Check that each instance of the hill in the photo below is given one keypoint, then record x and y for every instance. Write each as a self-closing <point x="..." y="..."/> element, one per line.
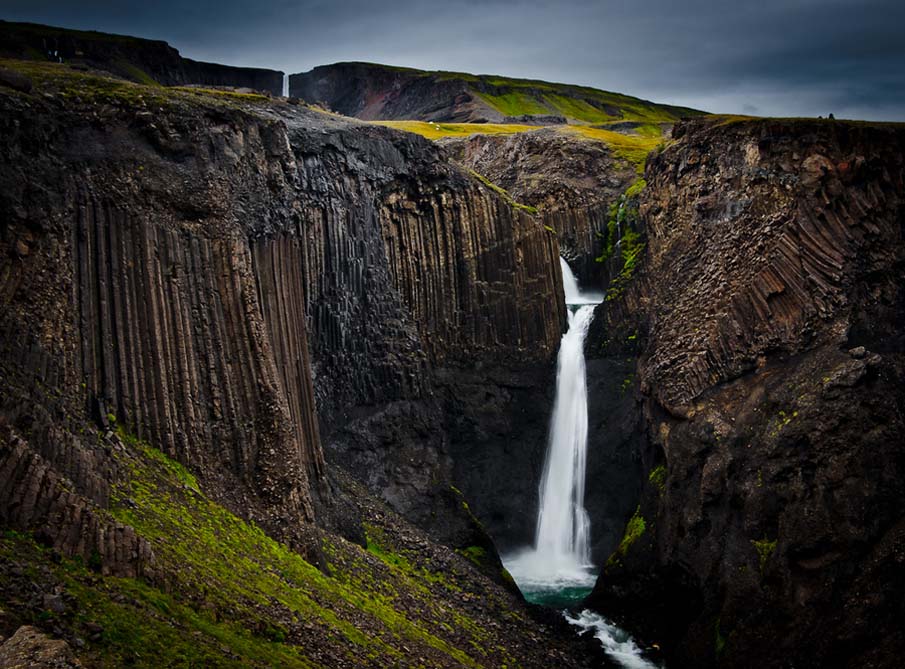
<point x="381" y="92"/>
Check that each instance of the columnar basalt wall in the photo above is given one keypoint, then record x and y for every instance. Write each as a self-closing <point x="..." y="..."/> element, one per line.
<point x="174" y="266"/>
<point x="772" y="315"/>
<point x="129" y="265"/>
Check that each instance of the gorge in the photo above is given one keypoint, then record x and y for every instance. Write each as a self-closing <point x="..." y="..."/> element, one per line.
<point x="280" y="386"/>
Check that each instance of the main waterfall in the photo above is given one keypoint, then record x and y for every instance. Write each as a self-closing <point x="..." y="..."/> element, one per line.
<point x="558" y="568"/>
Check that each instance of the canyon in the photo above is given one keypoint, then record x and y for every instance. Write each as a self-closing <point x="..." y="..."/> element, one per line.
<point x="277" y="382"/>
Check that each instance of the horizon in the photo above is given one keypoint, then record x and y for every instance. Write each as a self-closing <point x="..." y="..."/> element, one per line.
<point x="803" y="59"/>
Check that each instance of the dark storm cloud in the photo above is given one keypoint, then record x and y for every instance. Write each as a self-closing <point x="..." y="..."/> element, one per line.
<point x="776" y="57"/>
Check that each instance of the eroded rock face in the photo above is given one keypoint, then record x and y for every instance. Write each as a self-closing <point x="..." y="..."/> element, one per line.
<point x="772" y="309"/>
<point x="571" y="180"/>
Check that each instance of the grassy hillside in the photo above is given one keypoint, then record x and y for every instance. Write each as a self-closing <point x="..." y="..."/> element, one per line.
<point x="225" y="594"/>
<point x="632" y="146"/>
<point x="521" y="97"/>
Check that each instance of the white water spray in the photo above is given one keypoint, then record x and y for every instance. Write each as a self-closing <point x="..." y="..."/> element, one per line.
<point x="616" y="642"/>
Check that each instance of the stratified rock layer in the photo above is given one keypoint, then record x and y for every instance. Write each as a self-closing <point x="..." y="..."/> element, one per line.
<point x="772" y="309"/>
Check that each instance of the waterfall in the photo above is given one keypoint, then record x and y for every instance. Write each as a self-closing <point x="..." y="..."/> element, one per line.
<point x="557" y="570"/>
<point x="559" y="566"/>
<point x="562" y="523"/>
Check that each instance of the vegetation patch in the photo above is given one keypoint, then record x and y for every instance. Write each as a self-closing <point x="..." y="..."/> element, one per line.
<point x="222" y="593"/>
<point x="440" y="130"/>
<point x="503" y="193"/>
<point x="631" y="148"/>
<point x="765" y="549"/>
<point x="633" y="531"/>
<point x="657" y="477"/>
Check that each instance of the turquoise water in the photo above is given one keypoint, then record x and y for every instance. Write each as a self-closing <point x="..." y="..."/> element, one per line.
<point x="559" y="598"/>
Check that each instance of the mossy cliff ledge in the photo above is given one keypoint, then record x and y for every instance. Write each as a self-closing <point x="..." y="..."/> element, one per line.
<point x="767" y="311"/>
<point x="169" y="259"/>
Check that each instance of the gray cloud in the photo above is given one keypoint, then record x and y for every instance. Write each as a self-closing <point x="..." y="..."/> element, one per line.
<point x="779" y="57"/>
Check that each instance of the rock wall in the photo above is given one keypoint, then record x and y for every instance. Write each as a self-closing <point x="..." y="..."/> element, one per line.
<point x="416" y="274"/>
<point x="571" y="180"/>
<point x="135" y="295"/>
<point x="128" y="57"/>
<point x="172" y="270"/>
<point x="772" y="313"/>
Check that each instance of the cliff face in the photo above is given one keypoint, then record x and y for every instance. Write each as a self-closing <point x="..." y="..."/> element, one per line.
<point x="372" y="91"/>
<point x="169" y="258"/>
<point x="415" y="274"/>
<point x="134" y="295"/>
<point x="772" y="313"/>
<point x="128" y="57"/>
<point x="570" y="179"/>
<point x="196" y="251"/>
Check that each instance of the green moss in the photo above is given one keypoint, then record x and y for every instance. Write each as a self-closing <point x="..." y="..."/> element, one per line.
<point x="657" y="477"/>
<point x="634" y="529"/>
<point x="719" y="641"/>
<point x="635" y="189"/>
<point x="474" y="553"/>
<point x="765" y="549"/>
<point x="503" y="193"/>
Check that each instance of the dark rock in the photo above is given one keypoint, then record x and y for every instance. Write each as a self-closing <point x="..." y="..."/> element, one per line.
<point x="571" y="181"/>
<point x="772" y="515"/>
<point x="128" y="57"/>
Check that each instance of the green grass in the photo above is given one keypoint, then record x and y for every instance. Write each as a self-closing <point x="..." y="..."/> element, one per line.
<point x="225" y="594"/>
<point x="233" y="566"/>
<point x="76" y="86"/>
<point x="515" y="103"/>
<point x="631" y="148"/>
<point x="135" y="73"/>
<point x="504" y="194"/>
<point x="439" y="130"/>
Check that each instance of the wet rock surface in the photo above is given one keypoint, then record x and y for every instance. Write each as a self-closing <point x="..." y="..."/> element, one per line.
<point x="770" y="307"/>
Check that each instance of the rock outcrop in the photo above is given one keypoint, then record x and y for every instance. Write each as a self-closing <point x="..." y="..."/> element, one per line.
<point x="28" y="648"/>
<point x="132" y="58"/>
<point x="772" y="315"/>
<point x="172" y="268"/>
<point x="570" y="179"/>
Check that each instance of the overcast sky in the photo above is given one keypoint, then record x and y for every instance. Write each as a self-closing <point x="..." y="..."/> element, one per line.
<point x="764" y="57"/>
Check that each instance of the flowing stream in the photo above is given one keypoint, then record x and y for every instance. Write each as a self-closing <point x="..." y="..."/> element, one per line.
<point x="557" y="571"/>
